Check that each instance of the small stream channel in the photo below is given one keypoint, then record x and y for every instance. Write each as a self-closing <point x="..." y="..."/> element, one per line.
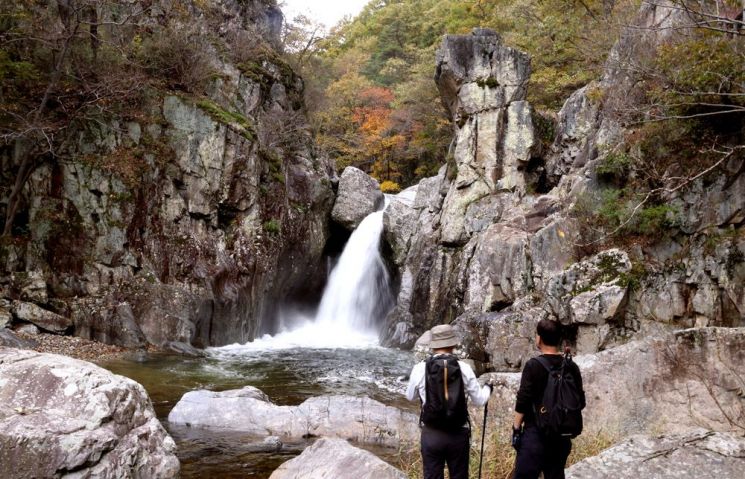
<point x="287" y="375"/>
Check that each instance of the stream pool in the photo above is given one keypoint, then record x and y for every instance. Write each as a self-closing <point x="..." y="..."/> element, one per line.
<point x="287" y="375"/>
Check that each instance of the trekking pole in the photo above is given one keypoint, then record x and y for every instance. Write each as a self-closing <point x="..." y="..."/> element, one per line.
<point x="483" y="434"/>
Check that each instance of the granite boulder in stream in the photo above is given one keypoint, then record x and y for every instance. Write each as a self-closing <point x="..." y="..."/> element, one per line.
<point x="65" y="418"/>
<point x="359" y="419"/>
<point x="333" y="457"/>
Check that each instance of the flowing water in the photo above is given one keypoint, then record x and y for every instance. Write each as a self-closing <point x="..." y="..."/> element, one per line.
<point x="288" y="376"/>
<point x="334" y="351"/>
<point x="356" y="298"/>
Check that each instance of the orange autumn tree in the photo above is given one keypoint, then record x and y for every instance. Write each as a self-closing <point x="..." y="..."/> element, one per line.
<point x="382" y="144"/>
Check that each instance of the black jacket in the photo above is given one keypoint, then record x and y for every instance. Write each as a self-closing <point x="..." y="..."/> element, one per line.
<point x="533" y="383"/>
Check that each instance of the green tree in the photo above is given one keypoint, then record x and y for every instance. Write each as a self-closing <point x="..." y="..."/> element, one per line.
<point x="392" y="44"/>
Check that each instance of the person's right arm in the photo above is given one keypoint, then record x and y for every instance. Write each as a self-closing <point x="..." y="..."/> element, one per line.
<point x="524" y="400"/>
<point x="415" y="378"/>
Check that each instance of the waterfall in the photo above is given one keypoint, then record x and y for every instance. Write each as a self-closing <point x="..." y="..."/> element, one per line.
<point x="358" y="290"/>
<point x="355" y="300"/>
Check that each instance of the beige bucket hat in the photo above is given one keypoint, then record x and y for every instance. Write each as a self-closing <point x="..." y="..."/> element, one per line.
<point x="443" y="336"/>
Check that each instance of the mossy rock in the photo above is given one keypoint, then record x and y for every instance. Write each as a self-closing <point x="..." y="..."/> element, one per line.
<point x="233" y="119"/>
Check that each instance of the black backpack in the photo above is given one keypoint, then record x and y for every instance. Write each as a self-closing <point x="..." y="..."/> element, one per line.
<point x="445" y="406"/>
<point x="560" y="412"/>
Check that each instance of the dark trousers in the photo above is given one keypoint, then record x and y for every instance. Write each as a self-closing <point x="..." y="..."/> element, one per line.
<point x="538" y="454"/>
<point x="440" y="448"/>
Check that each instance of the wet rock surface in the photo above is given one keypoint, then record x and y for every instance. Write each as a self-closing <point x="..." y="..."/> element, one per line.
<point x="62" y="417"/>
<point x="332" y="457"/>
<point x="358" y="419"/>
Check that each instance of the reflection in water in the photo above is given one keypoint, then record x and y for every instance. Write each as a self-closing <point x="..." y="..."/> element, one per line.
<point x="287" y="376"/>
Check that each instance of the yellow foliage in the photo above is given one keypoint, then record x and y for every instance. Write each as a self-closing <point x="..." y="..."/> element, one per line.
<point x="389" y="186"/>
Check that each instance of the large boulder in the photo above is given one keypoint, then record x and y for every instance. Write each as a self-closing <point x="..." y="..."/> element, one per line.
<point x="333" y="457"/>
<point x="43" y="318"/>
<point x="399" y="220"/>
<point x="591" y="291"/>
<point x="64" y="417"/>
<point x="248" y="410"/>
<point x="358" y="196"/>
<point x="670" y="384"/>
<point x="701" y="454"/>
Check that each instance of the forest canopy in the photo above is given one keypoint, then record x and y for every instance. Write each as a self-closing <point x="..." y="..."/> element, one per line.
<point x="370" y="88"/>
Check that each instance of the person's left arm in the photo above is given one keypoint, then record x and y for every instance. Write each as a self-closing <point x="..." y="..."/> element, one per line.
<point x="578" y="378"/>
<point x="479" y="394"/>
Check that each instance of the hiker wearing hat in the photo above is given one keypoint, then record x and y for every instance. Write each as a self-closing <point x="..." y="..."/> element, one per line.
<point x="442" y="383"/>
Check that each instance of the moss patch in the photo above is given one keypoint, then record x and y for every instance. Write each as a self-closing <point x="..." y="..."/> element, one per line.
<point x="231" y="118"/>
<point x="489" y="82"/>
<point x="272" y="226"/>
<point x="274" y="161"/>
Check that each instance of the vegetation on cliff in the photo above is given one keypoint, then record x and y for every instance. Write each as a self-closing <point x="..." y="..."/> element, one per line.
<point x="67" y="67"/>
<point x="684" y="120"/>
<point x="374" y="104"/>
<point x="370" y="87"/>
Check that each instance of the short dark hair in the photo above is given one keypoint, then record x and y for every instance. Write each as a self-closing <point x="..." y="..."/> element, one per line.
<point x="549" y="331"/>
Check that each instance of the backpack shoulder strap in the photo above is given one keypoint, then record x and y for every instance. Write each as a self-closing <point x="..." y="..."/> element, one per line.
<point x="544" y="362"/>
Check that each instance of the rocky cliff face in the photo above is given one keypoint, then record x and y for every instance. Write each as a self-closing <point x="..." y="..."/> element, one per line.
<point x="492" y="245"/>
<point x="187" y="222"/>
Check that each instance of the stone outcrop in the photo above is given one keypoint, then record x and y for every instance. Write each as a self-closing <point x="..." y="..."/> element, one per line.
<point x="708" y="455"/>
<point x="331" y="457"/>
<point x="60" y="417"/>
<point x="673" y="383"/>
<point x="359" y="419"/>
<point x="462" y="244"/>
<point x="358" y="196"/>
<point x="494" y="239"/>
<point x="42" y="318"/>
<point x="483" y="85"/>
<point x="188" y="222"/>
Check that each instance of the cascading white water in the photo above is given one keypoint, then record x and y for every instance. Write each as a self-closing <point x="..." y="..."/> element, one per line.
<point x="356" y="297"/>
<point x="358" y="285"/>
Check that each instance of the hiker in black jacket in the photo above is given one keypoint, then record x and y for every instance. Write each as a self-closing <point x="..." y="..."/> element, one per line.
<point x="445" y="440"/>
<point x="537" y="452"/>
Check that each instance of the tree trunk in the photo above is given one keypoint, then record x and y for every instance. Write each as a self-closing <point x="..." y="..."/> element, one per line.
<point x="28" y="163"/>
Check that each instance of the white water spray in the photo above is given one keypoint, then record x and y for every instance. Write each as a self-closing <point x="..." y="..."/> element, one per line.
<point x="358" y="283"/>
<point x="355" y="299"/>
